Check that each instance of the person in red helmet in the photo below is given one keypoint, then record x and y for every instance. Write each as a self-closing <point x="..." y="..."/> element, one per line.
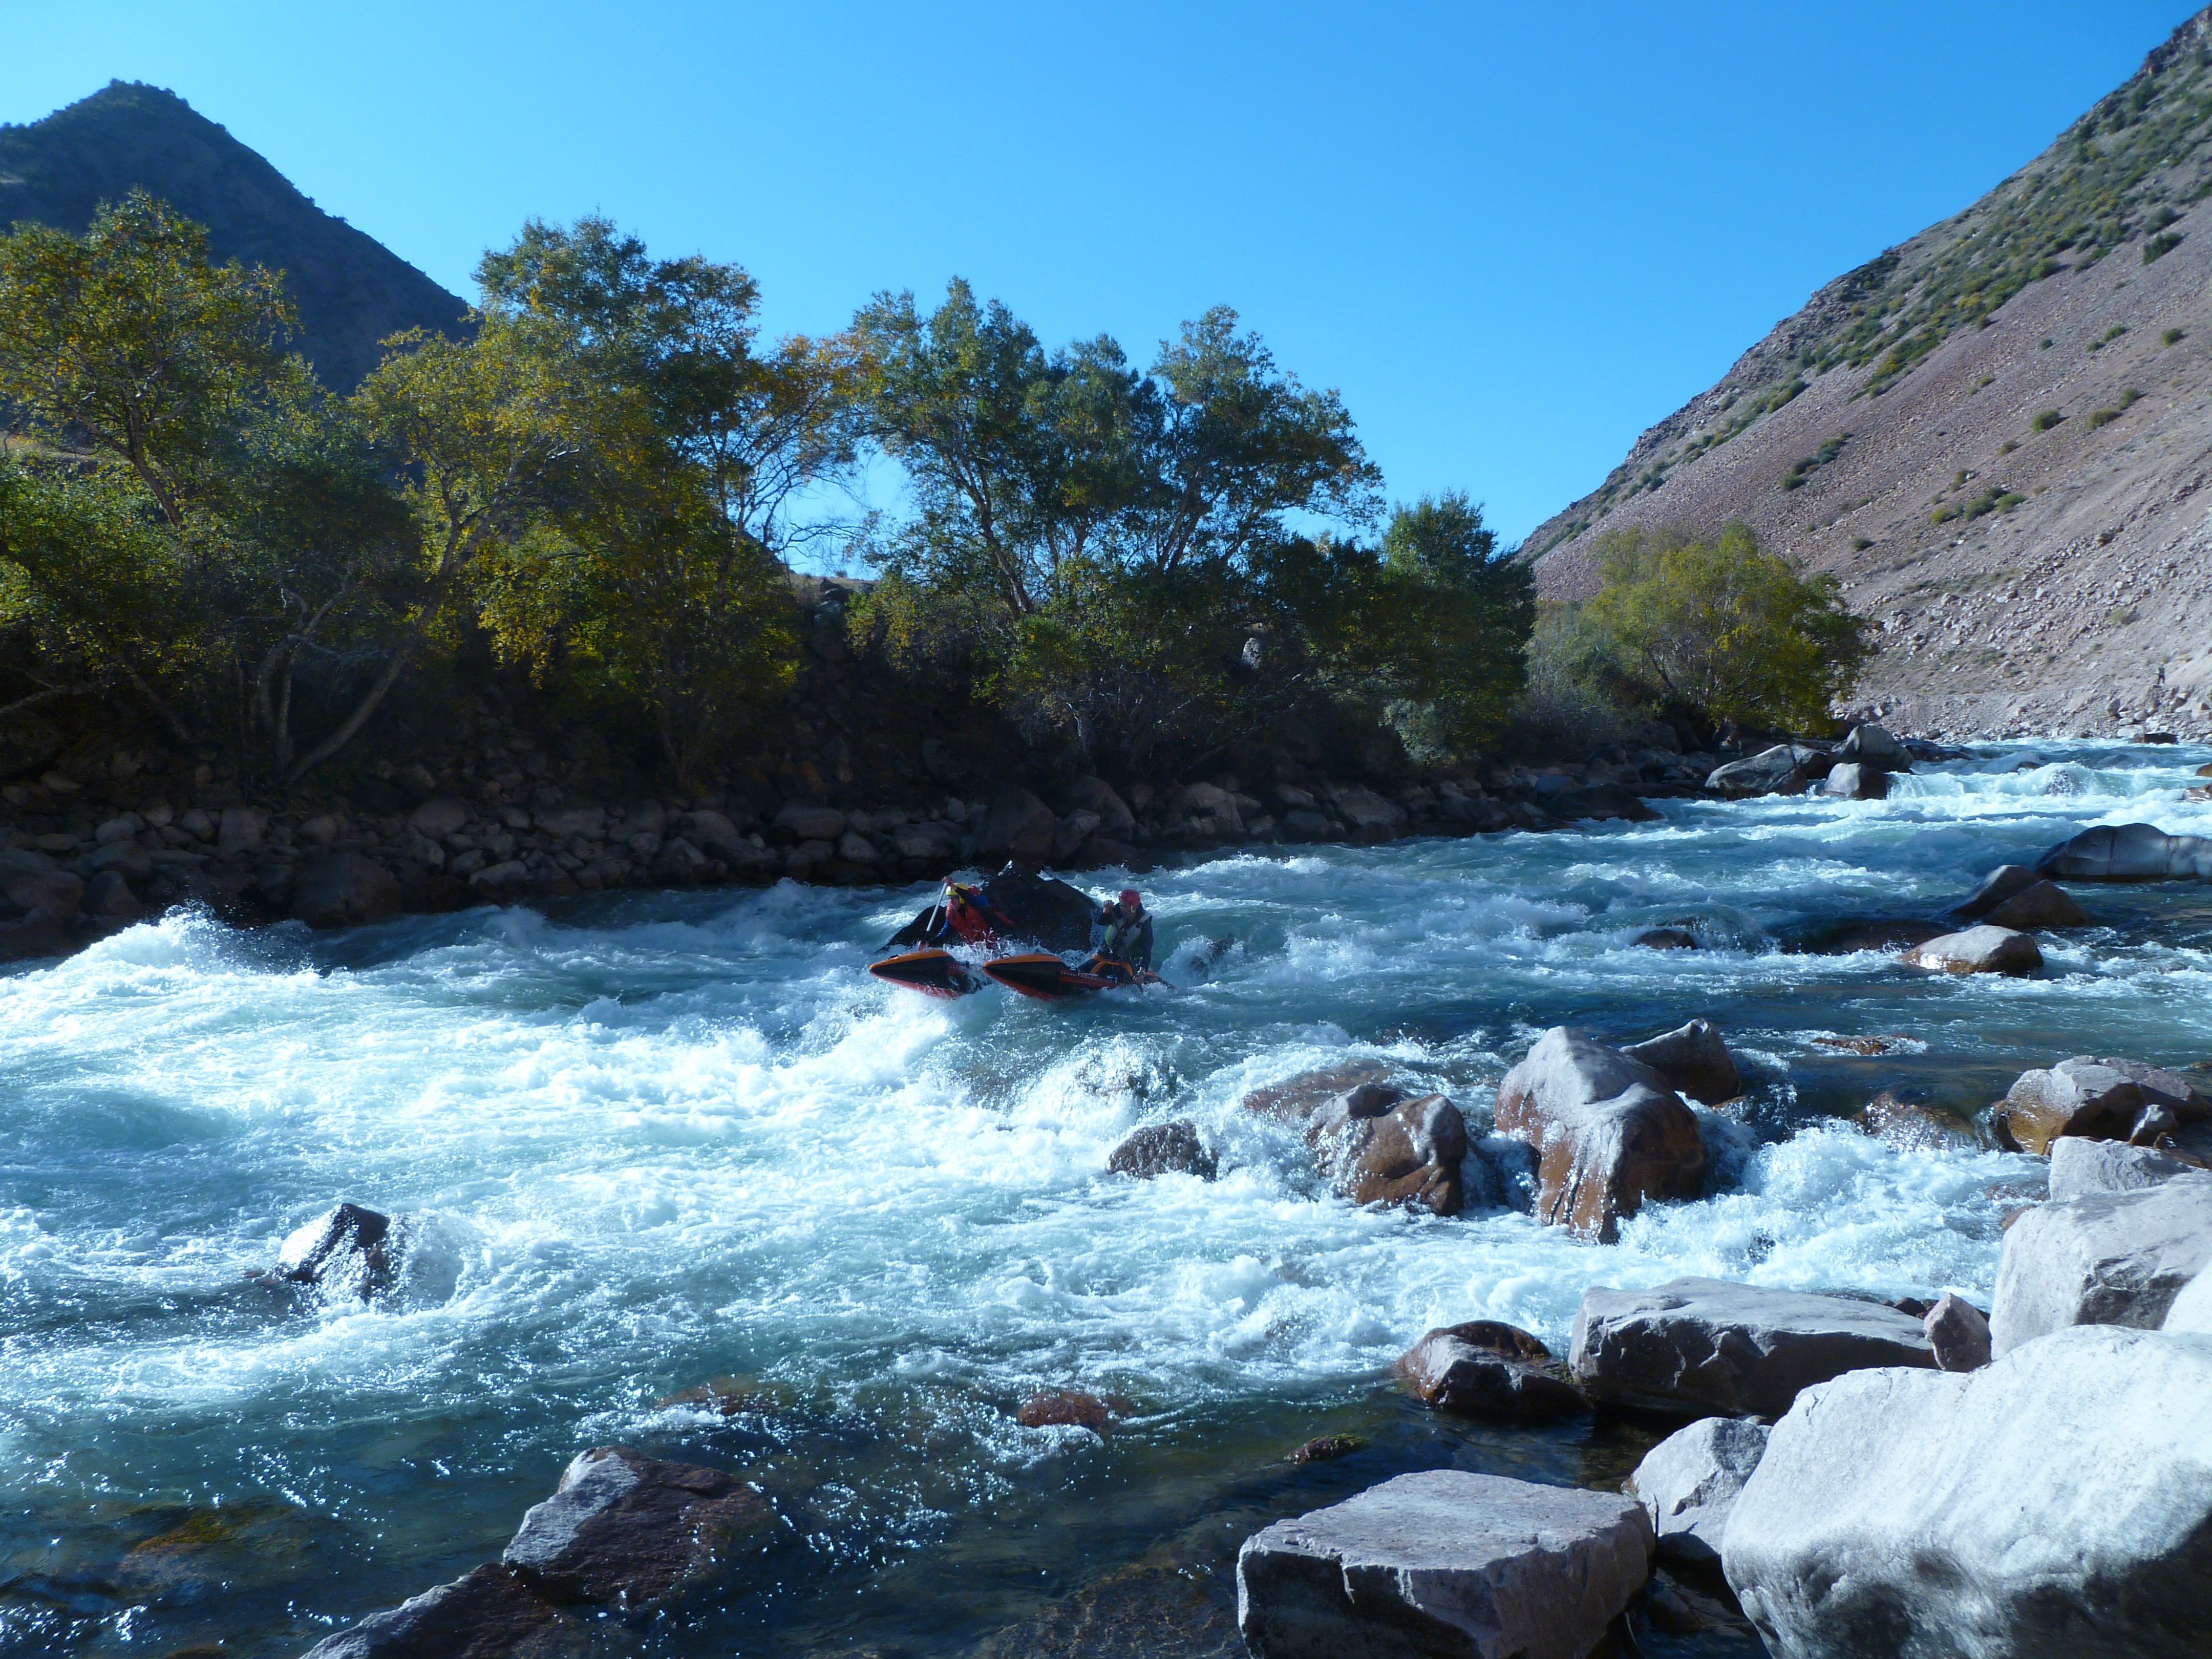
<point x="1128" y="928"/>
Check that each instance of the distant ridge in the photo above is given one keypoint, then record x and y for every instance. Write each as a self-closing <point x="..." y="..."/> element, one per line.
<point x="351" y="290"/>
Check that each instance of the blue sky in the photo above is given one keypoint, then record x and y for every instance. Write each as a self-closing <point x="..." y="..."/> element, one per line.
<point x="1512" y="236"/>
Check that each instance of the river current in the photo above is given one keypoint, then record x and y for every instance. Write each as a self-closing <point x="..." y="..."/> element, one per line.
<point x="644" y="1143"/>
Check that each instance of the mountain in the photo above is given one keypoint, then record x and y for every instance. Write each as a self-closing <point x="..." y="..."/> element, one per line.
<point x="1995" y="434"/>
<point x="351" y="290"/>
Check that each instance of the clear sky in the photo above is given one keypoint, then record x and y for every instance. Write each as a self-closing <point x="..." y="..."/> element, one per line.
<point x="1513" y="236"/>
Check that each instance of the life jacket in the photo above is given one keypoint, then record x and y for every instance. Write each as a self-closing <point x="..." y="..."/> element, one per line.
<point x="970" y="915"/>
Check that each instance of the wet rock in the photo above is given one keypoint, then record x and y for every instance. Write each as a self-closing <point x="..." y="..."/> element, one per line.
<point x="1159" y="1149"/>
<point x="1688" y="1484"/>
<point x="2057" y="1502"/>
<point x="1097" y="795"/>
<point x="1328" y="1448"/>
<point x="2105" y="1259"/>
<point x="1071" y="1408"/>
<point x="1485" y="1369"/>
<point x="1599" y="801"/>
<point x="1018" y="826"/>
<point x="1608" y="1133"/>
<point x="1379" y="1148"/>
<point x="1367" y="817"/>
<point x="1302" y="825"/>
<point x="2163" y="1087"/>
<point x="1206" y="811"/>
<point x="635" y="1532"/>
<point x="1145" y="1611"/>
<point x="2005" y="881"/>
<point x="1844" y="936"/>
<point x="2079" y="1167"/>
<point x="1903" y="1119"/>
<point x="1705" y="1347"/>
<point x="439" y="817"/>
<point x="492" y="1613"/>
<point x="32" y="881"/>
<point x="1295" y="1100"/>
<point x="2046" y="904"/>
<point x="1694" y="1060"/>
<point x="1872" y="746"/>
<point x="1854" y="782"/>
<point x="2129" y="851"/>
<point x="806" y="821"/>
<point x="1978" y="950"/>
<point x="351" y="1251"/>
<point x="1959" y="1332"/>
<point x="41" y="933"/>
<point x="1444" y="1563"/>
<point x="108" y="896"/>
<point x="343" y="890"/>
<point x="214" y="1553"/>
<point x="1784" y="770"/>
<point x="1666" y="938"/>
<point x="2076" y="1097"/>
<point x="726" y="1396"/>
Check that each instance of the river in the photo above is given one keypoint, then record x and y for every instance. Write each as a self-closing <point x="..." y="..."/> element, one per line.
<point x="646" y="1142"/>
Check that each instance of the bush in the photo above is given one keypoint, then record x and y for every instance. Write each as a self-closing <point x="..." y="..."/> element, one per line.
<point x="2045" y="421"/>
<point x="2173" y="336"/>
<point x="2159" y="246"/>
<point x="1860" y="544"/>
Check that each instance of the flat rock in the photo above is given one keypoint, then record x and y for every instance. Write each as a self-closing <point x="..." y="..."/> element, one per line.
<point x="1705" y="1347"/>
<point x="1159" y="1149"/>
<point x="1688" y="1484"/>
<point x="2077" y="1098"/>
<point x="635" y="1532"/>
<point x="1694" y="1060"/>
<point x="2079" y="1167"/>
<point x="1981" y="949"/>
<point x="2105" y="1259"/>
<point x="1444" y="1564"/>
<point x="1378" y="1147"/>
<point x="1486" y="1369"/>
<point x="2057" y="1504"/>
<point x="1609" y="1134"/>
<point x="490" y="1614"/>
<point x="2129" y="851"/>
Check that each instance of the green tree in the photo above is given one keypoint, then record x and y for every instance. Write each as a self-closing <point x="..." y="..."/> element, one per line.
<point x="1725" y="629"/>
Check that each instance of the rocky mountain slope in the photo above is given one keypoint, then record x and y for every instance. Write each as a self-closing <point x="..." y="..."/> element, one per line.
<point x="1995" y="434"/>
<point x="351" y="290"/>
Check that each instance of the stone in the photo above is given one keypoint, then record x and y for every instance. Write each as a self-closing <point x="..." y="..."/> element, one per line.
<point x="1075" y="829"/>
<point x="678" y="861"/>
<point x="1367" y="817"/>
<point x="807" y="821"/>
<point x="126" y="857"/>
<point x="1688" y="1484"/>
<point x="1296" y="1099"/>
<point x="932" y="842"/>
<point x="1018" y="826"/>
<point x="2001" y="883"/>
<point x="1115" y="820"/>
<point x="1704" y="1347"/>
<point x="1873" y="747"/>
<point x="1980" y="948"/>
<point x="1784" y="770"/>
<point x="2077" y="1098"/>
<point x="1328" y="1448"/>
<point x="1206" y="810"/>
<point x="1071" y="1408"/>
<point x="1694" y="1060"/>
<point x="492" y="1613"/>
<point x="2081" y="1166"/>
<point x="1609" y="1134"/>
<point x="351" y="1251"/>
<point x="320" y="830"/>
<point x="1959" y="1332"/>
<point x="439" y="817"/>
<point x="38" y="934"/>
<point x="703" y="827"/>
<point x="1444" y="1564"/>
<point x="500" y="880"/>
<point x="1666" y="938"/>
<point x="2056" y="1503"/>
<point x="1159" y="1149"/>
<point x="1303" y="825"/>
<point x="240" y="831"/>
<point x="1486" y="1369"/>
<point x="108" y="896"/>
<point x="2046" y="904"/>
<point x="2191" y="1312"/>
<point x="635" y="1532"/>
<point x="1852" y="781"/>
<point x="343" y="890"/>
<point x="118" y="829"/>
<point x="32" y="881"/>
<point x="2161" y="1087"/>
<point x="2129" y="851"/>
<point x="2104" y="1258"/>
<point x="1377" y="1147"/>
<point x="1599" y="801"/>
<point x="854" y="848"/>
<point x="1903" y="1118"/>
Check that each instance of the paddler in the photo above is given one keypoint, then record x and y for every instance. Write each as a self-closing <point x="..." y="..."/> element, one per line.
<point x="1128" y="928"/>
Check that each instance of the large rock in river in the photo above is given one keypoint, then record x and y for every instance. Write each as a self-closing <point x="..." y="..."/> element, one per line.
<point x="2129" y="851"/>
<point x="1981" y="949"/>
<point x="1609" y="1133"/>
<point x="1159" y="1149"/>
<point x="1018" y="826"/>
<point x="343" y="890"/>
<point x="1378" y="1147"/>
<point x="1694" y="1061"/>
<point x="2077" y="1096"/>
<point x="635" y="1532"/>
<point x="1444" y="1564"/>
<point x="1854" y="781"/>
<point x="2107" y="1258"/>
<point x="1485" y="1369"/>
<point x="2079" y="1167"/>
<point x="2057" y="1504"/>
<point x="492" y="1613"/>
<point x="1689" y="1481"/>
<point x="1704" y="1347"/>
<point x="1784" y="770"/>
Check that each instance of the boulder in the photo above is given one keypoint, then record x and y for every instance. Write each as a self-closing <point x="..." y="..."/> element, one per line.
<point x="1609" y="1134"/>
<point x="109" y="897"/>
<point x="1854" y="780"/>
<point x="1904" y="1118"/>
<point x="492" y="1613"/>
<point x="1115" y="820"/>
<point x="1783" y="770"/>
<point x="127" y="858"/>
<point x="1071" y="1408"/>
<point x="2129" y="851"/>
<point x="1873" y="748"/>
<point x="2081" y="1166"/>
<point x="32" y="881"/>
<point x="1018" y="826"/>
<point x="1378" y="1147"/>
<point x="40" y="933"/>
<point x="854" y="848"/>
<point x="1367" y="817"/>
<point x="565" y="823"/>
<point x="1159" y="1149"/>
<point x="2000" y="885"/>
<point x="1202" y="810"/>
<point x="1485" y="1369"/>
<point x="1600" y="800"/>
<point x="500" y="881"/>
<point x="1666" y="938"/>
<point x="2045" y="904"/>
<point x="439" y="817"/>
<point x="1298" y="824"/>
<point x="2077" y="1096"/>
<point x="1959" y="1332"/>
<point x="801" y="821"/>
<point x="2105" y="1259"/>
<point x="932" y="843"/>
<point x="1979" y="949"/>
<point x="2191" y="1312"/>
<point x="1444" y="1564"/>
<point x="343" y="890"/>
<point x="704" y="827"/>
<point x="635" y="1532"/>
<point x="240" y="831"/>
<point x="1704" y="1347"/>
<point x="2160" y="1087"/>
<point x="1688" y="1485"/>
<point x="1042" y="909"/>
<point x="1694" y="1060"/>
<point x="2056" y="1503"/>
<point x="1075" y="831"/>
<point x="351" y="1251"/>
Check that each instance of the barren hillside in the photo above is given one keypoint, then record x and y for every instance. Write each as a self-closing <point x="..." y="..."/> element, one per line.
<point x="2029" y="572"/>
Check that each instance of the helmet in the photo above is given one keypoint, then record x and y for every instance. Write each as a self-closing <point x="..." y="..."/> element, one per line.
<point x="1129" y="896"/>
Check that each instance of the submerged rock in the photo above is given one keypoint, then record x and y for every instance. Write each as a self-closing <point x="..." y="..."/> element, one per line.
<point x="1694" y="1060"/>
<point x="1666" y="938"/>
<point x="351" y="1251"/>
<point x="1600" y="800"/>
<point x="1159" y="1149"/>
<point x="1609" y="1134"/>
<point x="634" y="1532"/>
<point x="1444" y="1564"/>
<point x="343" y="890"/>
<point x="1378" y="1147"/>
<point x="1706" y="1348"/>
<point x="1485" y="1369"/>
<point x="2058" y="1501"/>
<point x="1981" y="949"/>
<point x="1689" y="1481"/>
<point x="2129" y="851"/>
<point x="2105" y="1259"/>
<point x="2000" y="885"/>
<point x="1071" y="1408"/>
<point x="492" y="1613"/>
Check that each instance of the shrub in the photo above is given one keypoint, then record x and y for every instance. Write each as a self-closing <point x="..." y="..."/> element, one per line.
<point x="2008" y="445"/>
<point x="1943" y="515"/>
<point x="2159" y="246"/>
<point x="1860" y="544"/>
<point x="2173" y="336"/>
<point x="2045" y="421"/>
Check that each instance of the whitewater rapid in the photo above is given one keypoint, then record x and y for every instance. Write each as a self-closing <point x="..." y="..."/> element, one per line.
<point x="645" y="1142"/>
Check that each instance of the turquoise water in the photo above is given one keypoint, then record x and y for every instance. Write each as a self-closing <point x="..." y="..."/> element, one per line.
<point x="647" y="1142"/>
